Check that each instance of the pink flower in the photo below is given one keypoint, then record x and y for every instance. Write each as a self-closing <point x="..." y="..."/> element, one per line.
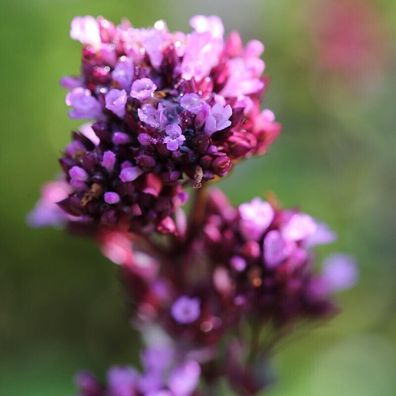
<point x="208" y="24"/>
<point x="245" y="72"/>
<point x="203" y="47"/>
<point x="256" y="216"/>
<point x="86" y="30"/>
<point x="117" y="247"/>
<point x="300" y="226"/>
<point x="276" y="249"/>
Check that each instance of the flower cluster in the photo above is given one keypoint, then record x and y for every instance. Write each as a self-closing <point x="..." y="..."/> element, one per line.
<point x="164" y="375"/>
<point x="253" y="263"/>
<point x="167" y="108"/>
<point x="247" y="266"/>
<point x="223" y="284"/>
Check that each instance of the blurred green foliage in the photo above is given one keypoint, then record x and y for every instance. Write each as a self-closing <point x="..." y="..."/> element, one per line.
<point x="60" y="305"/>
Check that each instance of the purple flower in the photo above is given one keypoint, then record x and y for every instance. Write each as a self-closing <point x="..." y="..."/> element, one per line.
<point x="83" y="104"/>
<point x="115" y="101"/>
<point x="256" y="216"/>
<point x="86" y="30"/>
<point x="166" y="372"/>
<point x="149" y="115"/>
<point x="192" y="102"/>
<point x="157" y="361"/>
<point x="122" y="381"/>
<point x="111" y="198"/>
<point x="300" y="226"/>
<point x="143" y="89"/>
<point x="339" y="272"/>
<point x="218" y="118"/>
<point x="123" y="73"/>
<point x="174" y="138"/>
<point x="186" y="310"/>
<point x="276" y="249"/>
<point x="203" y="47"/>
<point x="157" y="358"/>
<point x="130" y="173"/>
<point x="121" y="69"/>
<point x="184" y="379"/>
<point x="211" y="24"/>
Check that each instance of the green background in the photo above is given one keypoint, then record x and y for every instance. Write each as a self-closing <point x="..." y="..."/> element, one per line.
<point x="60" y="304"/>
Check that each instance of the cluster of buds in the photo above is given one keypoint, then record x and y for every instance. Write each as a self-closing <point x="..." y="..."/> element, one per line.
<point x="169" y="111"/>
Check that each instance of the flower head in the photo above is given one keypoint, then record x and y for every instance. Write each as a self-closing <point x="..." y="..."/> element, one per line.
<point x="176" y="107"/>
<point x="265" y="257"/>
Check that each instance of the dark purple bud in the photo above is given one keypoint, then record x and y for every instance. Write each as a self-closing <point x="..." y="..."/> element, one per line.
<point x="145" y="161"/>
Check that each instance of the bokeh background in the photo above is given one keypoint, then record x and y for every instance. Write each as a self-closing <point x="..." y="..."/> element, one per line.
<point x="332" y="64"/>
